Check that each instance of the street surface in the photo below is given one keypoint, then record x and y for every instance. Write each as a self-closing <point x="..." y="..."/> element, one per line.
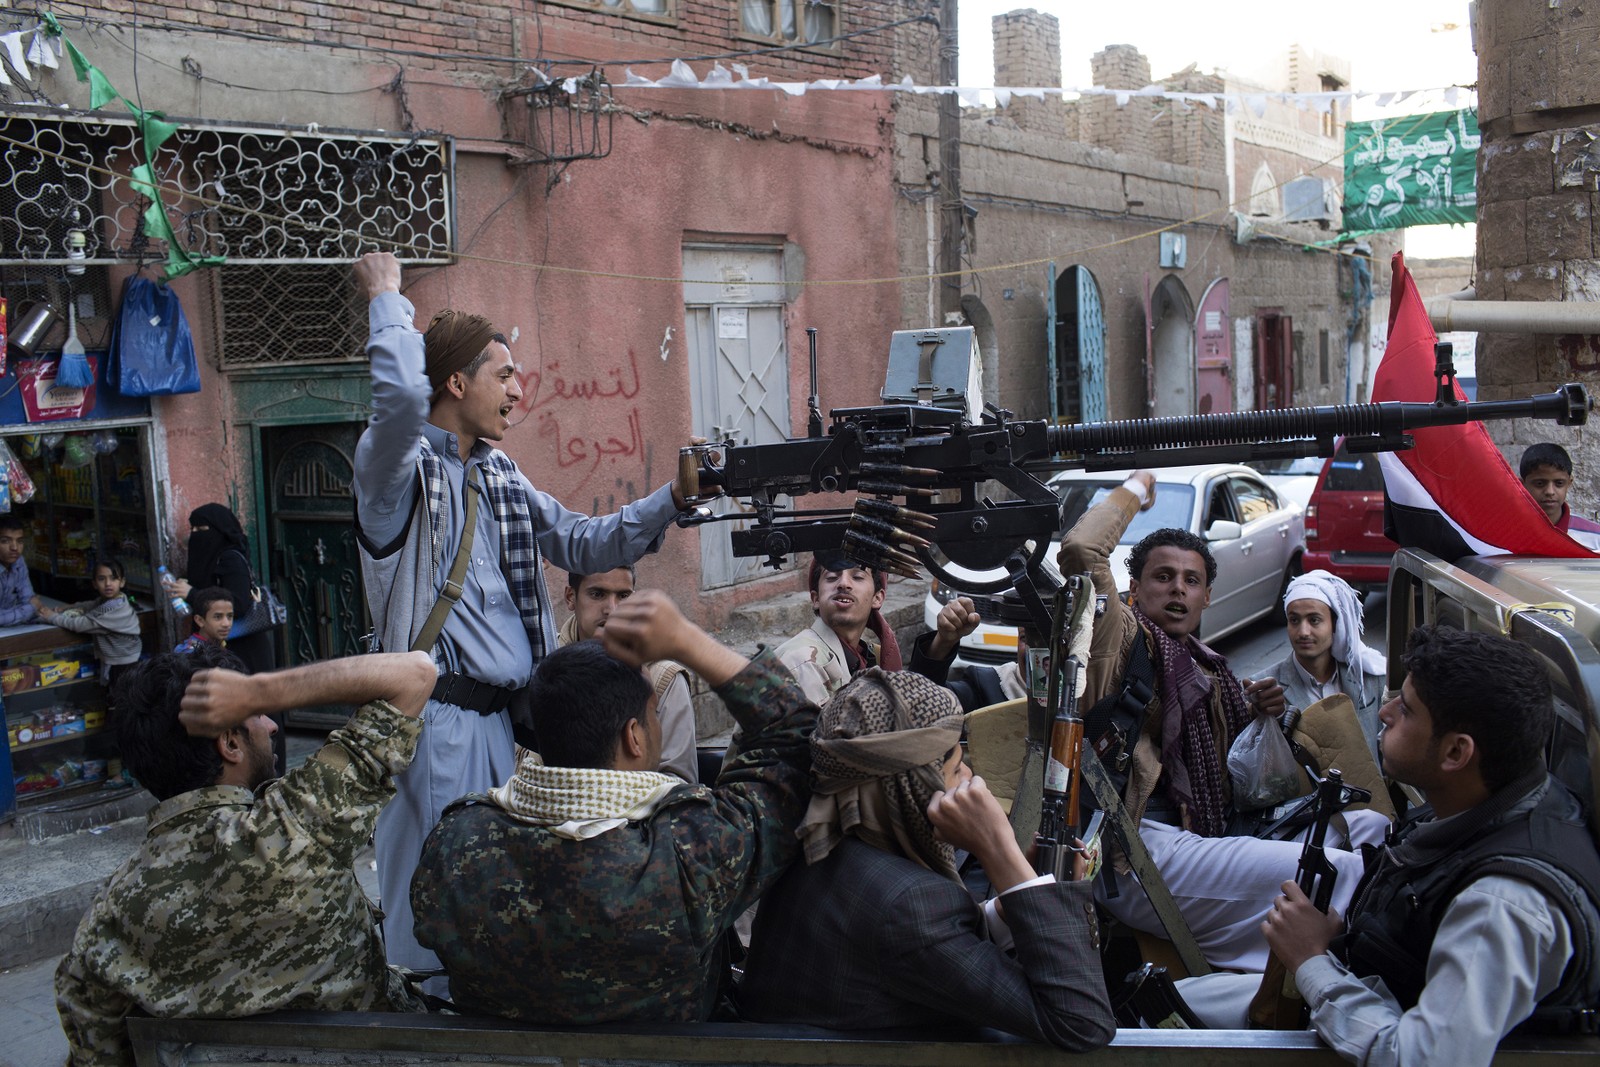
<point x="27" y="1001"/>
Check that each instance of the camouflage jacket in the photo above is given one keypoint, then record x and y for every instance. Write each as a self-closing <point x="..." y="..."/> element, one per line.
<point x="626" y="926"/>
<point x="239" y="902"/>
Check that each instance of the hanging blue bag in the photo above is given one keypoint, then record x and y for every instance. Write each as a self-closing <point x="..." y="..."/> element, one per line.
<point x="152" y="352"/>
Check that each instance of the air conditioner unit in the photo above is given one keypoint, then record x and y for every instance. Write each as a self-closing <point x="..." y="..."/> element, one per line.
<point x="1306" y="200"/>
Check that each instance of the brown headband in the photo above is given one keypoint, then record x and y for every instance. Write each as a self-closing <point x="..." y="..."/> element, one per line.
<point x="454" y="339"/>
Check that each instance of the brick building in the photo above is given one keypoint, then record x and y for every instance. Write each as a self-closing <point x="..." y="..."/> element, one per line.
<point x="1072" y="284"/>
<point x="571" y="214"/>
<point x="1538" y="195"/>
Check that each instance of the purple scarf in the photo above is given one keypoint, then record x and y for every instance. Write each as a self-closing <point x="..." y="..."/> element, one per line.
<point x="1191" y="762"/>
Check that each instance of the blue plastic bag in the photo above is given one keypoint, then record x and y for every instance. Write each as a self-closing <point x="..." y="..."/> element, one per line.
<point x="152" y="352"/>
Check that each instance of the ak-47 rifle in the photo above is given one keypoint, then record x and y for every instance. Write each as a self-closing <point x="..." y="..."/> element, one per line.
<point x="917" y="467"/>
<point x="1058" y="813"/>
<point x="1278" y="1005"/>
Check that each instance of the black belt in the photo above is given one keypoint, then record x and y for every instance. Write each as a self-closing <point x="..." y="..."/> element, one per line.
<point x="471" y="694"/>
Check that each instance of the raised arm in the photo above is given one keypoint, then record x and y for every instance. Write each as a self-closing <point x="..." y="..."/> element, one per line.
<point x="648" y="626"/>
<point x="736" y="847"/>
<point x="386" y="455"/>
<point x="217" y="700"/>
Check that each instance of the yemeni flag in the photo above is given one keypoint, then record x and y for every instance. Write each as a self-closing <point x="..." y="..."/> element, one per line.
<point x="1453" y="494"/>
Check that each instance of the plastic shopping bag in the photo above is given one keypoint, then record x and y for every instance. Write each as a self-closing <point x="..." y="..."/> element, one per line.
<point x="152" y="352"/>
<point x="1263" y="767"/>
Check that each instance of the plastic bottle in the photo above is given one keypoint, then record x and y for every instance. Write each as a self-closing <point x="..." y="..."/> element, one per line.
<point x="180" y="605"/>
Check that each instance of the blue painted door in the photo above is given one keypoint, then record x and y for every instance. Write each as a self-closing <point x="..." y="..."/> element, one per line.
<point x="1091" y="349"/>
<point x="1052" y="368"/>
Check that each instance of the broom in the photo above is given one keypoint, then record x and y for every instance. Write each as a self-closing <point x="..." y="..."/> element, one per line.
<point x="74" y="372"/>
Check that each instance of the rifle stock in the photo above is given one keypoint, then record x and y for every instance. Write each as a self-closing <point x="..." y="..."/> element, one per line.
<point x="1277" y="1004"/>
<point x="1058" y="809"/>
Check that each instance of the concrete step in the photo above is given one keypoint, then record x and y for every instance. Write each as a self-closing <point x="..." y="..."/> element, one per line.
<point x="49" y="883"/>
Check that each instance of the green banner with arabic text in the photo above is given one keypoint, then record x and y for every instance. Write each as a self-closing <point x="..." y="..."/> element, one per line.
<point x="1417" y="170"/>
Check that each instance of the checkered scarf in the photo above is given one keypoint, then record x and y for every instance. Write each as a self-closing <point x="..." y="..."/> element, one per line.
<point x="877" y="755"/>
<point x="519" y="547"/>
<point x="1192" y="763"/>
<point x="580" y="802"/>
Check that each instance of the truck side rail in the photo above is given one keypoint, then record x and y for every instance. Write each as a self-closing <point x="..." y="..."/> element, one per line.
<point x="370" y="1039"/>
<point x="1425" y="589"/>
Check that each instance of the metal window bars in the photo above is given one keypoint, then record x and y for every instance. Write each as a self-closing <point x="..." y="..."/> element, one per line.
<point x="563" y="121"/>
<point x="262" y="194"/>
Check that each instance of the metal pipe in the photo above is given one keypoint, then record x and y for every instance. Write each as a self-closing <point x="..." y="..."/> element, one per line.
<point x="1460" y="311"/>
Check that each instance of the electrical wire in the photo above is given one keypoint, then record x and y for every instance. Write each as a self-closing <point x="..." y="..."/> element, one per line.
<point x="237" y="209"/>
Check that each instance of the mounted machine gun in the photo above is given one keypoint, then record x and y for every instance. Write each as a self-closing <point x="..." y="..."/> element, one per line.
<point x="918" y="461"/>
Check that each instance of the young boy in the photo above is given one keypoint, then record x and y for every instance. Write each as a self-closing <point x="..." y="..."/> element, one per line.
<point x="213" y="618"/>
<point x="16" y="590"/>
<point x="1547" y="475"/>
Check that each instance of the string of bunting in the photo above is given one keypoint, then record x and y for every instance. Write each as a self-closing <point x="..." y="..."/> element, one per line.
<point x="154" y="131"/>
<point x="682" y="76"/>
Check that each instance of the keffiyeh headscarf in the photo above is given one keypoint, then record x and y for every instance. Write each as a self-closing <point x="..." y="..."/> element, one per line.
<point x="877" y="758"/>
<point x="1330" y="589"/>
<point x="580" y="802"/>
<point x="1193" y="764"/>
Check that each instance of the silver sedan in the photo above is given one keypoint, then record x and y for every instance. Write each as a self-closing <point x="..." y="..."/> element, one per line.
<point x="1256" y="535"/>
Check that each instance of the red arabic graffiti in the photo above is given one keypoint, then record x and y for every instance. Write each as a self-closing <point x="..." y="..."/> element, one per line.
<point x="619" y="381"/>
<point x="606" y="429"/>
<point x="574" y="450"/>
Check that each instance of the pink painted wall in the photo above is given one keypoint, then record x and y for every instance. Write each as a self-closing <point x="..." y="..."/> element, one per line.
<point x="813" y="171"/>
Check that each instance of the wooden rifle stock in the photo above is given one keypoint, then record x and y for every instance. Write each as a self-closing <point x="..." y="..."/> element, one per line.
<point x="1058" y="813"/>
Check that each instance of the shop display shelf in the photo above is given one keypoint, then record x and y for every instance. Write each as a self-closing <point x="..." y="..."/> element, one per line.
<point x="46" y="741"/>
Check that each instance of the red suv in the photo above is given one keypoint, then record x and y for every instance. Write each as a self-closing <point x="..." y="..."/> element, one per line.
<point x="1344" y="521"/>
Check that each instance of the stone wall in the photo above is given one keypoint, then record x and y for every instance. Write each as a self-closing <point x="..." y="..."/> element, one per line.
<point x="1538" y="195"/>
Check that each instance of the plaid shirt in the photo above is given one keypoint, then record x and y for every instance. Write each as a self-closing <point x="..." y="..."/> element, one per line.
<point x="519" y="547"/>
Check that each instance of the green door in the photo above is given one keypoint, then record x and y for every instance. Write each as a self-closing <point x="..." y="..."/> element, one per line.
<point x="311" y="537"/>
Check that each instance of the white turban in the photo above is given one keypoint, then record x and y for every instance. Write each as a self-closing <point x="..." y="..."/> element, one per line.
<point x="1335" y="592"/>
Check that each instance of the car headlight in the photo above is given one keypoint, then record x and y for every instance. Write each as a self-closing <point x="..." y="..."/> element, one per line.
<point x="940" y="593"/>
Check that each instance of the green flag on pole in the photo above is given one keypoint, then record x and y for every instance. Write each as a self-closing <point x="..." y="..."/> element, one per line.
<point x="1417" y="170"/>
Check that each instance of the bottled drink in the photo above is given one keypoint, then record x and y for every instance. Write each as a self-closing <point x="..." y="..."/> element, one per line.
<point x="180" y="605"/>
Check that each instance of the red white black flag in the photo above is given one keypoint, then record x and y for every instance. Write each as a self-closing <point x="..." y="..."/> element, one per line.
<point x="1453" y="494"/>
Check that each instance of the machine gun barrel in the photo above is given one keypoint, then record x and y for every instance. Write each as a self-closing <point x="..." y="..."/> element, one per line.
<point x="949" y="458"/>
<point x="1387" y="421"/>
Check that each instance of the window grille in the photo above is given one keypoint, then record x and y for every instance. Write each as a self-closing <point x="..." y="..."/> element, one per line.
<point x="299" y="314"/>
<point x="260" y="194"/>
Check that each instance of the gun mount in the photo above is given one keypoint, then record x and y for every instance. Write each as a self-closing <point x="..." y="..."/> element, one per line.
<point x="918" y="468"/>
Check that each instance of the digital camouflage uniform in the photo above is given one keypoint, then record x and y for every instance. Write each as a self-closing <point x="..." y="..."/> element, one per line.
<point x="629" y="925"/>
<point x="240" y="903"/>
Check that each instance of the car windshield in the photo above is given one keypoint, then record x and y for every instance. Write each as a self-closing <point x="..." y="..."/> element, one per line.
<point x="1173" y="507"/>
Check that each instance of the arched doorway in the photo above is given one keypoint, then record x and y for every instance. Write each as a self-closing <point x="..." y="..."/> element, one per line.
<point x="1169" y="324"/>
<point x="1078" y="336"/>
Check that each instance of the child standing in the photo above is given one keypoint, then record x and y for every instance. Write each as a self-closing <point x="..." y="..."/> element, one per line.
<point x="213" y="618"/>
<point x="1547" y="475"/>
<point x="111" y="621"/>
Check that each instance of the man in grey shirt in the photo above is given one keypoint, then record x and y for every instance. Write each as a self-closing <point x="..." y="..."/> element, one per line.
<point x="437" y="403"/>
<point x="1471" y="920"/>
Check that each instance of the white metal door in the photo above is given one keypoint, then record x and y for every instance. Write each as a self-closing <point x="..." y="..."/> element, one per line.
<point x="739" y="372"/>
